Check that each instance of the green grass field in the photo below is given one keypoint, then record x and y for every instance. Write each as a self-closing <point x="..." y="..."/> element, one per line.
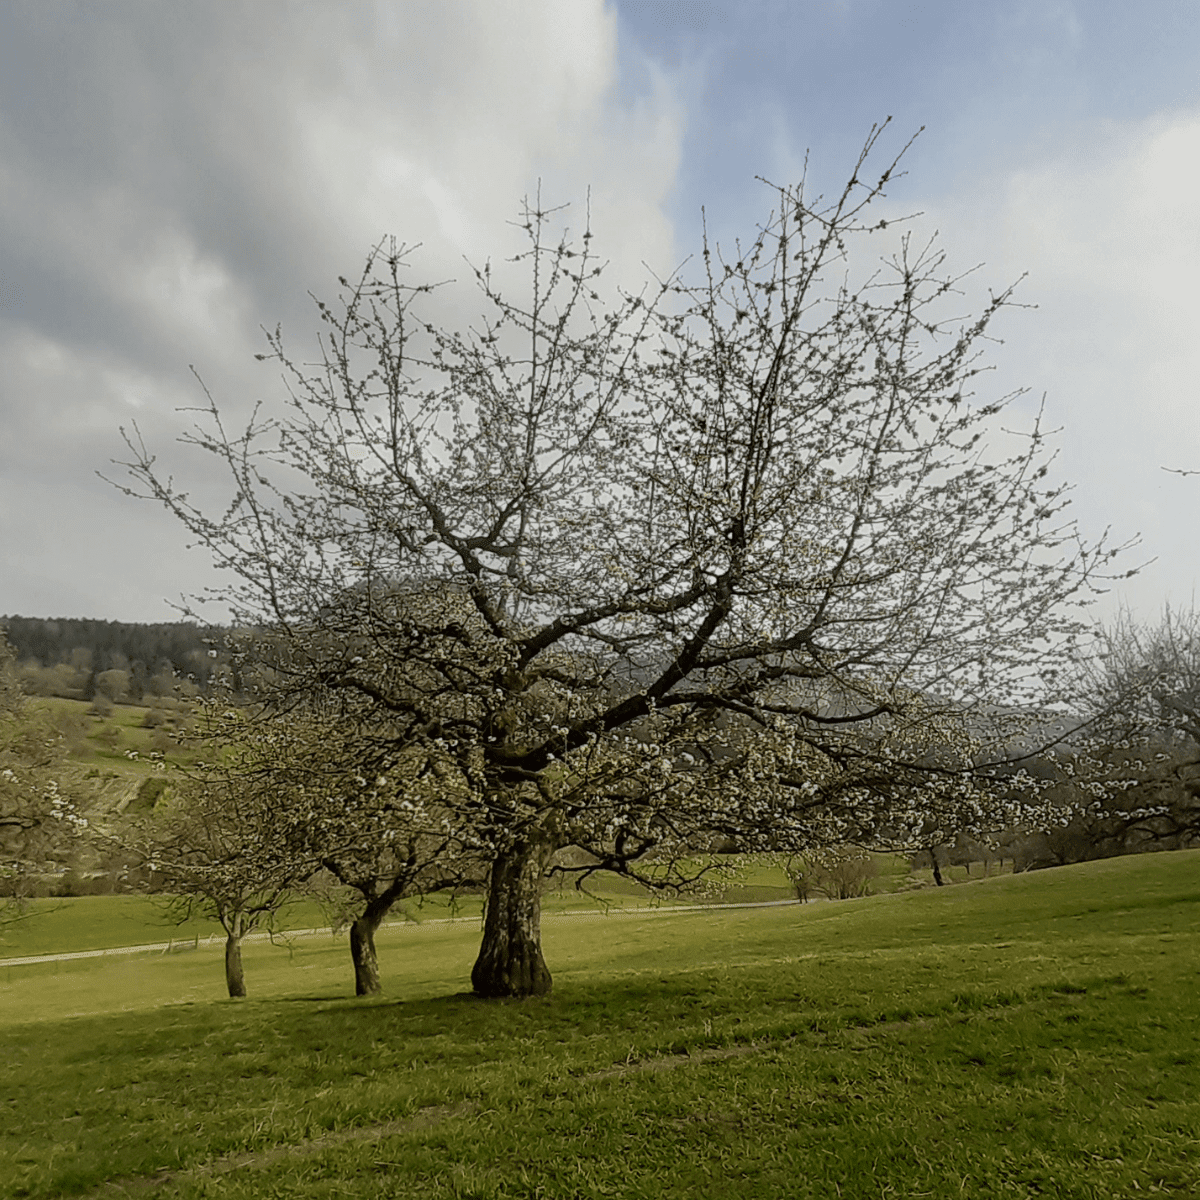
<point x="1031" y="1035"/>
<point x="68" y="924"/>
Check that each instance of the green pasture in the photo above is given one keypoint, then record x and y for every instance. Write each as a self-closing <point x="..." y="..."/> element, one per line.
<point x="1030" y="1035"/>
<point x="69" y="924"/>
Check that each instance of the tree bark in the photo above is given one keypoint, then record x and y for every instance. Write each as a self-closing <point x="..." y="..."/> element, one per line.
<point x="510" y="961"/>
<point x="362" y="947"/>
<point x="235" y="979"/>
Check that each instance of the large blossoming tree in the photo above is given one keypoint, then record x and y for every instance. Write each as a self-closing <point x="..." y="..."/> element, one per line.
<point x="730" y="561"/>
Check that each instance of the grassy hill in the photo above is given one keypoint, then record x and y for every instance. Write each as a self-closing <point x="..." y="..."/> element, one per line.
<point x="1019" y="1036"/>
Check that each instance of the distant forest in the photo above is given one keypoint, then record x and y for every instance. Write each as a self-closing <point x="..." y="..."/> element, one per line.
<point x="66" y="656"/>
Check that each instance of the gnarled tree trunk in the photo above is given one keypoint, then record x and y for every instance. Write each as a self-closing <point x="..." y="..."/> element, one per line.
<point x="510" y="961"/>
<point x="362" y="946"/>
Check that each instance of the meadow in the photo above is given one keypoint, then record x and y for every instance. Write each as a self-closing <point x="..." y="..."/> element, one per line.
<point x="1018" y="1036"/>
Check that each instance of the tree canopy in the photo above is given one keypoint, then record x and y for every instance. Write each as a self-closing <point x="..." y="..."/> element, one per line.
<point x="1140" y="691"/>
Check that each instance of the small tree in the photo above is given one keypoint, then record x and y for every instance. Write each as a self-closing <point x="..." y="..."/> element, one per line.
<point x="114" y="684"/>
<point x="284" y="797"/>
<point x="215" y="852"/>
<point x="728" y="561"/>
<point x="224" y="842"/>
<point x="837" y="872"/>
<point x="390" y="838"/>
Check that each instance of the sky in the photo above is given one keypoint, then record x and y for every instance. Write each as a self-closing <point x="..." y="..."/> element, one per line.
<point x="176" y="177"/>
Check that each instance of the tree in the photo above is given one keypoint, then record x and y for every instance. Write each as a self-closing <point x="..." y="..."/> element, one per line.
<point x="1140" y="689"/>
<point x="726" y="560"/>
<point x="279" y="801"/>
<point x="391" y="834"/>
<point x="837" y="872"/>
<point x="217" y="850"/>
<point x="40" y="825"/>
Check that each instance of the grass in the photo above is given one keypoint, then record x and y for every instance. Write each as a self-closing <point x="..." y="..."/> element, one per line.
<point x="1020" y="1036"/>
<point x="60" y="925"/>
<point x="68" y="924"/>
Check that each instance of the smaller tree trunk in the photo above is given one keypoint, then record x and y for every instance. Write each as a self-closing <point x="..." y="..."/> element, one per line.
<point x="937" y="870"/>
<point x="510" y="961"/>
<point x="235" y="979"/>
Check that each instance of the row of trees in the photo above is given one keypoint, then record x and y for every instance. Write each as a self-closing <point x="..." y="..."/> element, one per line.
<point x="117" y="686"/>
<point x="278" y="807"/>
<point x="732" y="561"/>
<point x="85" y="648"/>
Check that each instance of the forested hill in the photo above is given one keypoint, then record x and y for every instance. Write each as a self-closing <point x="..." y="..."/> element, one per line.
<point x="93" y="646"/>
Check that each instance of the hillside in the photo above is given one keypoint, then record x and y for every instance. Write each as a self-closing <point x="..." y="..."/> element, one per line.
<point x="119" y="763"/>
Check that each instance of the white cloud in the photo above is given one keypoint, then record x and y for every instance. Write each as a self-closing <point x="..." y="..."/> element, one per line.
<point x="1109" y="231"/>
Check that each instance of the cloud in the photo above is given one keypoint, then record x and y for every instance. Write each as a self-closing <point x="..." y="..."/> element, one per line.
<point x="1109" y="231"/>
<point x="171" y="176"/>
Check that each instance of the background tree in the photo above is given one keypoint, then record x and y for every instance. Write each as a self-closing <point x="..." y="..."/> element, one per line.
<point x="1140" y="689"/>
<point x="64" y="656"/>
<point x="837" y="872"/>
<point x="724" y="559"/>
<point x="390" y="835"/>
<point x="280" y="801"/>
<point x="40" y="827"/>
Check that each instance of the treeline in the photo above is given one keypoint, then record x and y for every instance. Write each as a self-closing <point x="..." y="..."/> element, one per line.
<point x="71" y="656"/>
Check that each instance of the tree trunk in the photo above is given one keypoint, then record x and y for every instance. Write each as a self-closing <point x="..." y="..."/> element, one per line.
<point x="235" y="980"/>
<point x="362" y="948"/>
<point x="510" y="961"/>
<point x="937" y="870"/>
